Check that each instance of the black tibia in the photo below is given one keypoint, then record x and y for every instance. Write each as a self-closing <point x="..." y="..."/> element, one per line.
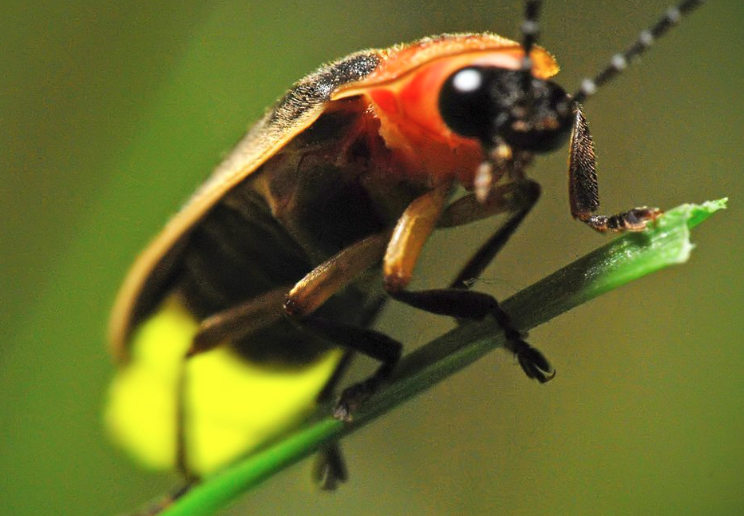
<point x="583" y="187"/>
<point x="465" y="304"/>
<point x="371" y="343"/>
<point x="525" y="196"/>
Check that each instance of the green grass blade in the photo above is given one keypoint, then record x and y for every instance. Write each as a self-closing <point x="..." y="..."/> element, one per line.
<point x="622" y="260"/>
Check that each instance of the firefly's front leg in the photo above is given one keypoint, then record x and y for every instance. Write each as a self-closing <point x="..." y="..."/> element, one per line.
<point x="584" y="189"/>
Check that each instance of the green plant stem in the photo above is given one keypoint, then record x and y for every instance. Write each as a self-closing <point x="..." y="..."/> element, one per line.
<point x="617" y="263"/>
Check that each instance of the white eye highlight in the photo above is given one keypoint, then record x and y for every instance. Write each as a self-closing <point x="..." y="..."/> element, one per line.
<point x="467" y="80"/>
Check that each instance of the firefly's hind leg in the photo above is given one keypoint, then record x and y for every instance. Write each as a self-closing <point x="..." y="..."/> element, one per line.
<point x="231" y="324"/>
<point x="238" y="322"/>
<point x="456" y="301"/>
<point x="368" y="342"/>
<point x="166" y="501"/>
<point x="225" y="326"/>
<point x="584" y="188"/>
<point x="329" y="468"/>
<point x="319" y="285"/>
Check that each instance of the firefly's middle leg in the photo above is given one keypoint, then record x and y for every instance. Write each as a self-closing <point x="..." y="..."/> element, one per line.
<point x="456" y="301"/>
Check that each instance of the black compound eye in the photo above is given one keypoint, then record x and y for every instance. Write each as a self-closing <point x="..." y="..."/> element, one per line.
<point x="490" y="103"/>
<point x="466" y="105"/>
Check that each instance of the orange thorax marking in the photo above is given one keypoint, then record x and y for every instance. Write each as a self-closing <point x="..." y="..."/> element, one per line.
<point x="411" y="126"/>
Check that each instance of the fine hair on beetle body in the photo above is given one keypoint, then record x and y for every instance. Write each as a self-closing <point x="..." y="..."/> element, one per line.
<point x="267" y="281"/>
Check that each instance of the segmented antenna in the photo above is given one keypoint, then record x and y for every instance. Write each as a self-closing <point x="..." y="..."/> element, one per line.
<point x="530" y="31"/>
<point x="620" y="61"/>
<point x="530" y="26"/>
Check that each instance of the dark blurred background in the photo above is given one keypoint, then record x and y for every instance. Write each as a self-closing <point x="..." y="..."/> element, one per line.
<point x="112" y="112"/>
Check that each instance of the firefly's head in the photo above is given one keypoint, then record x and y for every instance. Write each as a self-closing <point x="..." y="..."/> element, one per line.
<point x="496" y="104"/>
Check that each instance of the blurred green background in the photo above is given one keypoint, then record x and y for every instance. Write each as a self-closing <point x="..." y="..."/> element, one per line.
<point x="112" y="112"/>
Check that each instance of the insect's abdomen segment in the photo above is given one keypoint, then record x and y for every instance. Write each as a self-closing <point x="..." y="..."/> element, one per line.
<point x="231" y="405"/>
